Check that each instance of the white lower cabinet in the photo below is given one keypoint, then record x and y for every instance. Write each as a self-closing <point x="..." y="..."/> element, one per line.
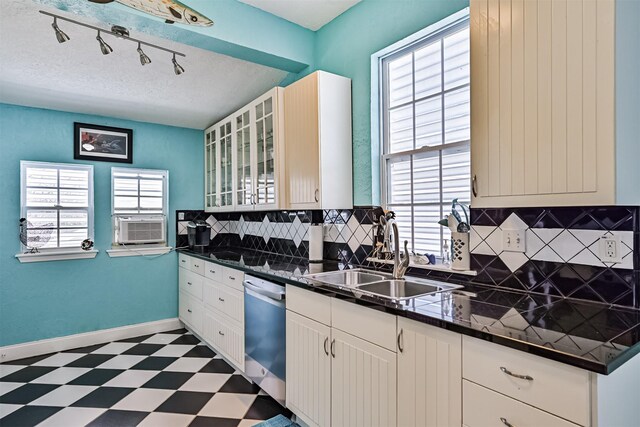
<point x="429" y="375"/>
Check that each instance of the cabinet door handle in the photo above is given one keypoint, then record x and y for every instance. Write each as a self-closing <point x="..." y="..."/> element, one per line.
<point x="474" y="186"/>
<point x="326" y="341"/>
<point x="196" y="265"/>
<point x="400" y="341"/>
<point x="189" y="310"/>
<point x="232" y="278"/>
<point x="189" y="283"/>
<point x="505" y="422"/>
<point x="522" y="377"/>
<point x="212" y="271"/>
<point x="333" y="348"/>
<point x="220" y="332"/>
<point x="220" y="299"/>
<point x="316" y="195"/>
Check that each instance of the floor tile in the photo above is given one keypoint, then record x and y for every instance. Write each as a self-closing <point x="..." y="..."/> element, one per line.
<point x="64" y="395"/>
<point x="90" y="361"/>
<point x="136" y="339"/>
<point x="144" y="349"/>
<point x="7" y="387"/>
<point x="173" y="350"/>
<point x="187" y="364"/>
<point x="168" y="380"/>
<point x="200" y="351"/>
<point x="115" y="418"/>
<point x="144" y="399"/>
<point x="9" y="369"/>
<point x="131" y="378"/>
<point x="72" y="417"/>
<point x="205" y="382"/>
<point x="249" y="423"/>
<point x="164" y="419"/>
<point x="87" y="349"/>
<point x="28" y="416"/>
<point x="177" y="331"/>
<point x="27" y="374"/>
<point x="185" y="402"/>
<point x="60" y="376"/>
<point x="213" y="421"/>
<point x="97" y="377"/>
<point x="6" y="409"/>
<point x="238" y="384"/>
<point x="27" y="393"/>
<point x="28" y="360"/>
<point x="161" y="339"/>
<point x="217" y="366"/>
<point x="228" y="405"/>
<point x="114" y="348"/>
<point x="58" y="359"/>
<point x="186" y="339"/>
<point x="122" y="361"/>
<point x="265" y="407"/>
<point x="155" y="363"/>
<point x="103" y="397"/>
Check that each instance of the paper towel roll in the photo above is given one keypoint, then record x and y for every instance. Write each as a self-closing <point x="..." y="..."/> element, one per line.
<point x="316" y="242"/>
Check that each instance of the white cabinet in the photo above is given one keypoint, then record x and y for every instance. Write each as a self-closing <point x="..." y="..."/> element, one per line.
<point x="243" y="157"/>
<point x="318" y="154"/>
<point x="542" y="102"/>
<point x="429" y="375"/>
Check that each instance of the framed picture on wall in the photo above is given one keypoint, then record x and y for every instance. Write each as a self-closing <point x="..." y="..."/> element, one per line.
<point x="102" y="143"/>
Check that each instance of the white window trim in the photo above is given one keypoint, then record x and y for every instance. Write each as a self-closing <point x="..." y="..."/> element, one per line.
<point x="57" y="254"/>
<point x="120" y="250"/>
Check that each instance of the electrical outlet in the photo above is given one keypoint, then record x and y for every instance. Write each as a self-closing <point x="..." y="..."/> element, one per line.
<point x="610" y="248"/>
<point x="180" y="216"/>
<point x="513" y="240"/>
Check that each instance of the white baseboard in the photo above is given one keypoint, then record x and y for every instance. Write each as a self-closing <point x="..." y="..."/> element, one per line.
<point x="52" y="345"/>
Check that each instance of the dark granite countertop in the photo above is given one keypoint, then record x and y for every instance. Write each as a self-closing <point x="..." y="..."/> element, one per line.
<point x="592" y="336"/>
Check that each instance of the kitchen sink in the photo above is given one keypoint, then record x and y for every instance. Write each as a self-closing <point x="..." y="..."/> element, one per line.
<point x="405" y="288"/>
<point x="349" y="278"/>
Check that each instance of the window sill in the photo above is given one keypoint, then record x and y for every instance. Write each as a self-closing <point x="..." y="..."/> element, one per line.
<point x="57" y="256"/>
<point x="438" y="267"/>
<point x="120" y="252"/>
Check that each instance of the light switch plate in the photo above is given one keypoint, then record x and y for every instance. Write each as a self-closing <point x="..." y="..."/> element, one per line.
<point x="610" y="248"/>
<point x="514" y="240"/>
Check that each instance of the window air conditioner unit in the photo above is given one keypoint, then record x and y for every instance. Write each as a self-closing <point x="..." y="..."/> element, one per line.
<point x="140" y="229"/>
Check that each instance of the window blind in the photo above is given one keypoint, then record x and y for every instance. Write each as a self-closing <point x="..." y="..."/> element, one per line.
<point x="138" y="191"/>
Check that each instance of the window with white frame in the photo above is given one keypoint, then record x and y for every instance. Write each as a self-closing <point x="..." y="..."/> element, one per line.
<point x="56" y="202"/>
<point x="425" y="117"/>
<point x="139" y="205"/>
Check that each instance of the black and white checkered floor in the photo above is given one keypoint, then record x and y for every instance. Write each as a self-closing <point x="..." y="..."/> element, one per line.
<point x="167" y="379"/>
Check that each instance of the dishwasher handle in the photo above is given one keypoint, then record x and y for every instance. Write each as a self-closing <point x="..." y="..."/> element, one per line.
<point x="274" y="295"/>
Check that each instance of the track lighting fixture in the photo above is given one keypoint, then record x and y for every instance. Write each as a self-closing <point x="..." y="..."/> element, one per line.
<point x="177" y="68"/>
<point x="119" y="32"/>
<point x="60" y="35"/>
<point x="104" y="47"/>
<point x="144" y="59"/>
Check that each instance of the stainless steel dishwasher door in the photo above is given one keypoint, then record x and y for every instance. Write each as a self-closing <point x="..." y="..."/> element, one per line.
<point x="265" y="338"/>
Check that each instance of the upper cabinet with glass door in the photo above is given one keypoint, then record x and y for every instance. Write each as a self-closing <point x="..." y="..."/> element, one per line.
<point x="219" y="167"/>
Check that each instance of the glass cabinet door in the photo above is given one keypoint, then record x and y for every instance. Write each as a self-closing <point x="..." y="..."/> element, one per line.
<point x="244" y="181"/>
<point x="226" y="165"/>
<point x="211" y="170"/>
<point x="265" y="150"/>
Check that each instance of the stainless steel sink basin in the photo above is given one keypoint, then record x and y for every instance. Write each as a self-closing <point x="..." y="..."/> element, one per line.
<point x="348" y="278"/>
<point x="405" y="288"/>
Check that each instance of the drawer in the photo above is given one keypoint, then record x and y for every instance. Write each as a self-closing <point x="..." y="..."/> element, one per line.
<point x="365" y="323"/>
<point x="190" y="311"/>
<point x="190" y="282"/>
<point x="226" y="339"/>
<point x="554" y="387"/>
<point x="197" y="265"/>
<point x="309" y="304"/>
<point x="486" y="408"/>
<point x="233" y="278"/>
<point x="225" y="300"/>
<point x="184" y="261"/>
<point x="213" y="271"/>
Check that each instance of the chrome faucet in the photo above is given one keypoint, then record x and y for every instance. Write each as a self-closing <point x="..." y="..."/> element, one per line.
<point x="399" y="268"/>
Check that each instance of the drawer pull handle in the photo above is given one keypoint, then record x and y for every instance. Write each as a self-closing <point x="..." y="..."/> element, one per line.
<point x="232" y="278"/>
<point x="326" y="341"/>
<point x="196" y="265"/>
<point x="333" y="348"/>
<point x="189" y="283"/>
<point x="212" y="271"/>
<point x="220" y="299"/>
<point x="505" y="422"/>
<point x="189" y="310"/>
<point x="400" y="341"/>
<point x="522" y="377"/>
<point x="220" y="332"/>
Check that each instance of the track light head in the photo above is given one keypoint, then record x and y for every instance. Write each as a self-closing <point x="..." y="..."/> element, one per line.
<point x="60" y="35"/>
<point x="177" y="68"/>
<point x="144" y="59"/>
<point x="104" y="47"/>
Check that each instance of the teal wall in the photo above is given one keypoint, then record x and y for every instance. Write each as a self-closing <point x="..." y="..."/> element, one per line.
<point x="51" y="299"/>
<point x="345" y="45"/>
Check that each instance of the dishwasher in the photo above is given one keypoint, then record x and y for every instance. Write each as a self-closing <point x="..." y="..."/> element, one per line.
<point x="264" y="342"/>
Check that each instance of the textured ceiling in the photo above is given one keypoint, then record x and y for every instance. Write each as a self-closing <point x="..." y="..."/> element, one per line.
<point x="37" y="71"/>
<point x="311" y="14"/>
